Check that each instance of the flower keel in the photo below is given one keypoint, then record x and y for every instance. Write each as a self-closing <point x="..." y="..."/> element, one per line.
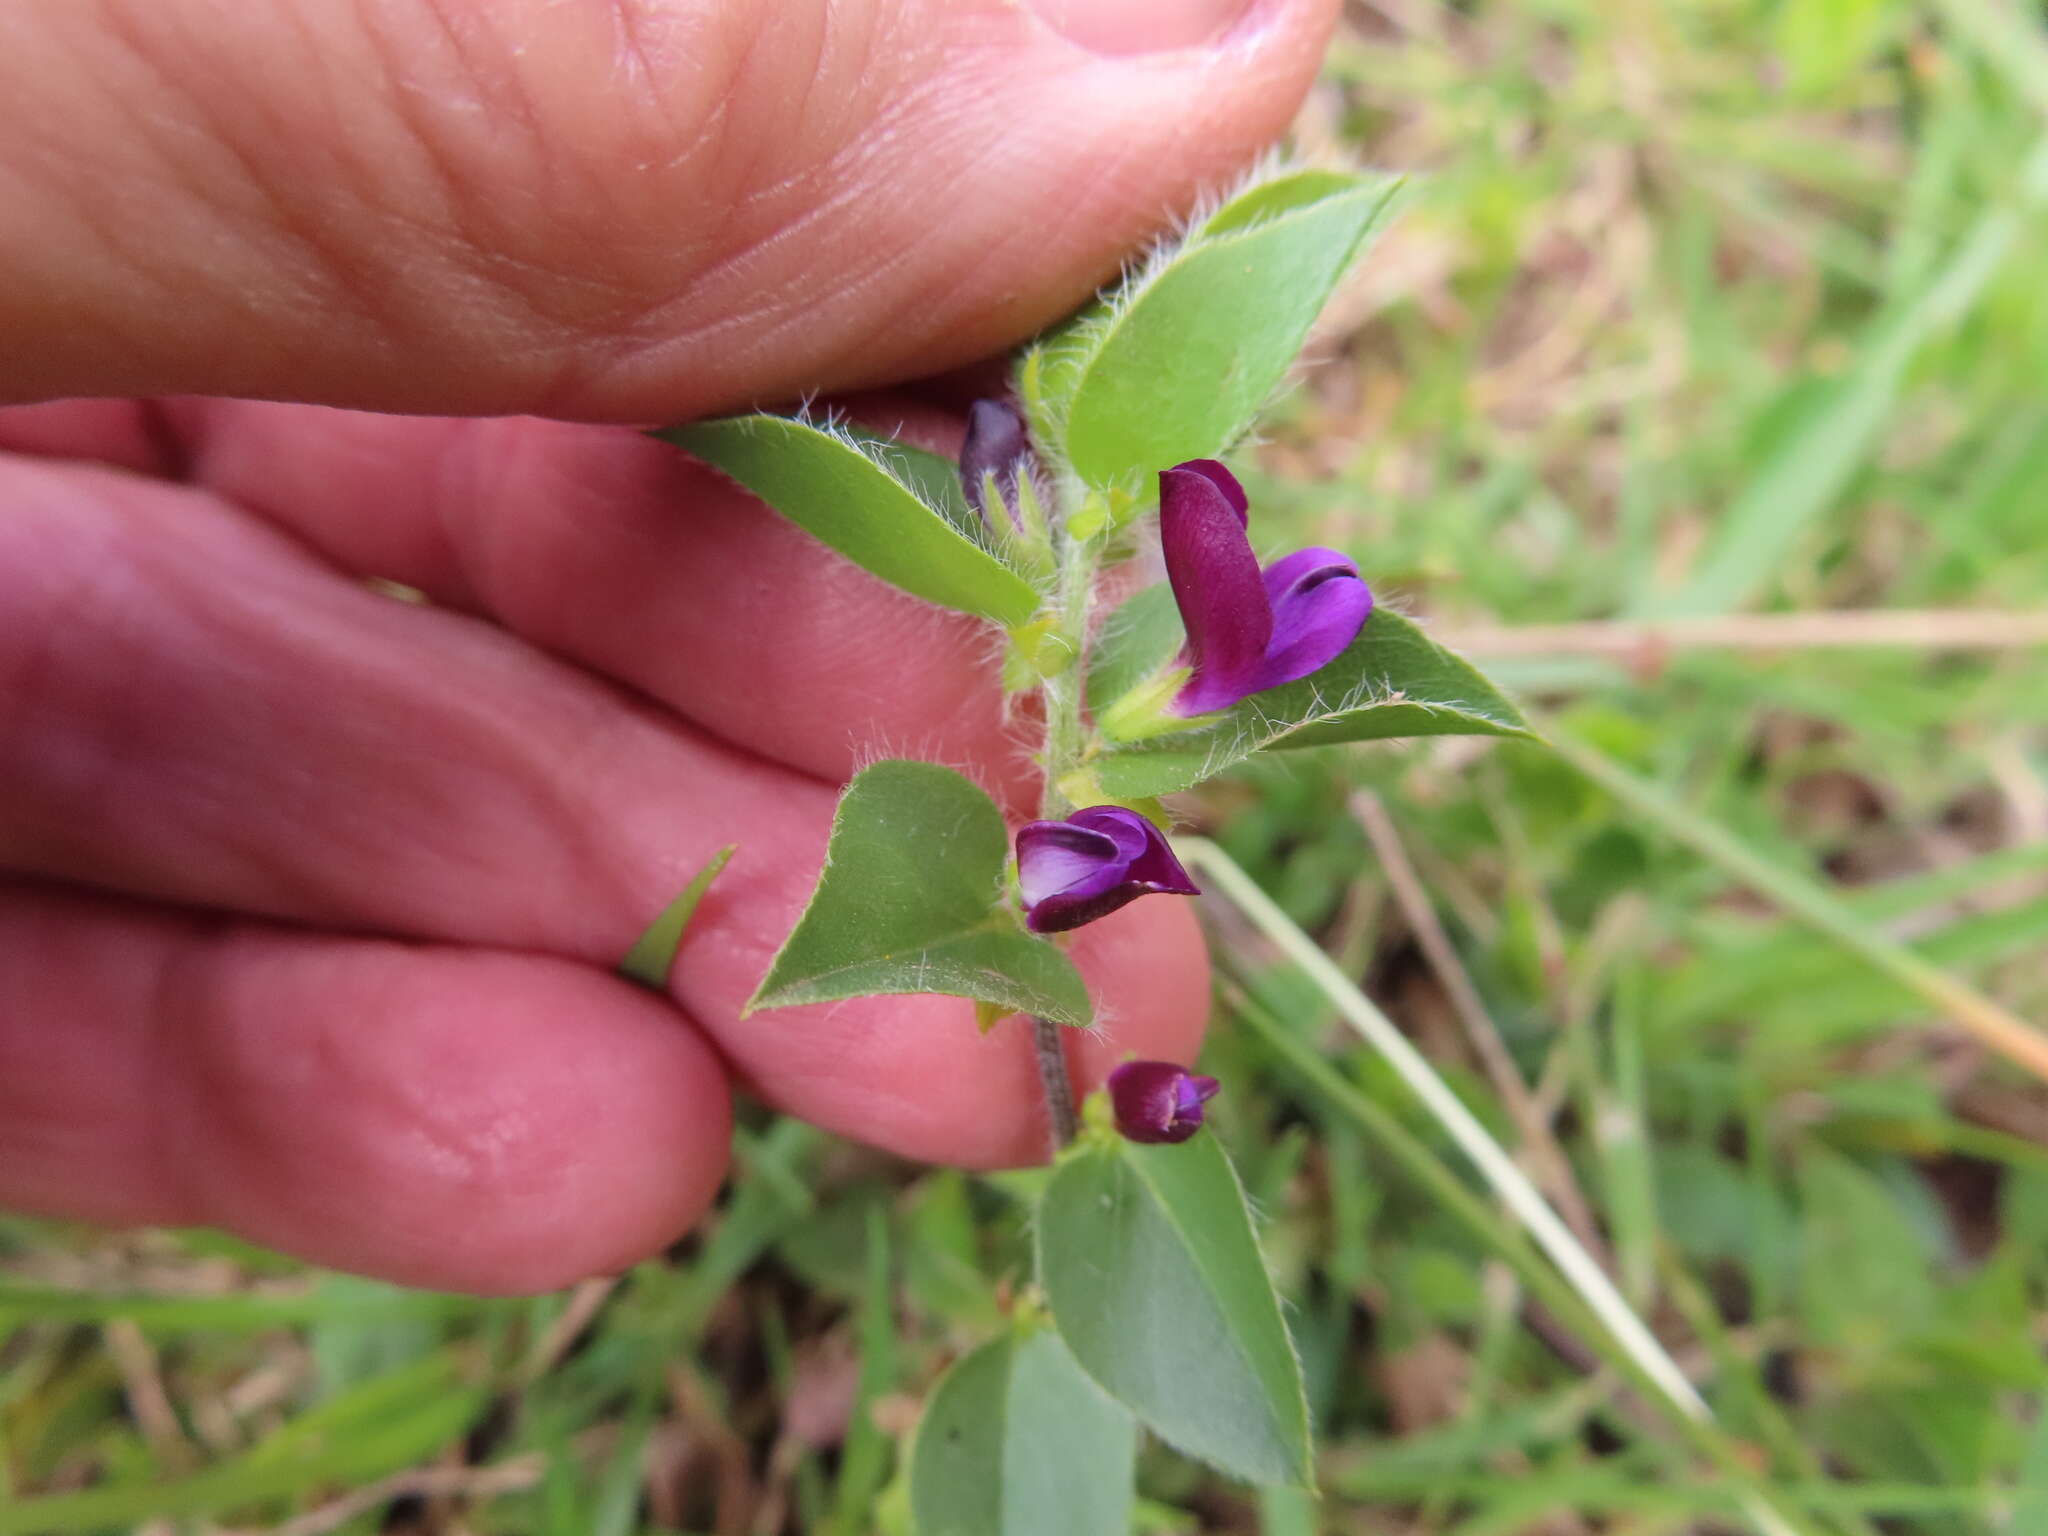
<point x="1156" y="1101"/>
<point x="1099" y="859"/>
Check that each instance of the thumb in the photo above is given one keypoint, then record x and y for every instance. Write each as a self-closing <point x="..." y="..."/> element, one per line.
<point x="608" y="209"/>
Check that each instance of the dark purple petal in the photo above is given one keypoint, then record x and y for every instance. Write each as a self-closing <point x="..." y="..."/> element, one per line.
<point x="1319" y="606"/>
<point x="1069" y="910"/>
<point x="997" y="443"/>
<point x="1072" y="872"/>
<point x="1216" y="583"/>
<point x="1069" y="875"/>
<point x="1057" y="858"/>
<point x="1156" y="1101"/>
<point x="1121" y="825"/>
<point x="1149" y="857"/>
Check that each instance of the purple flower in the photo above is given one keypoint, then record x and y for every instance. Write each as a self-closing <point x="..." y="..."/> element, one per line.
<point x="997" y="444"/>
<point x="1074" y="871"/>
<point x="1156" y="1101"/>
<point x="1248" y="630"/>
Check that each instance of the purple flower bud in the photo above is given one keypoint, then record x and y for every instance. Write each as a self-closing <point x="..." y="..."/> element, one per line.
<point x="1156" y="1101"/>
<point x="1248" y="630"/>
<point x="997" y="444"/>
<point x="1074" y="871"/>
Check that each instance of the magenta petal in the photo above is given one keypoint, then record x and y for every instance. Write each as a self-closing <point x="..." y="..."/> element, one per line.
<point x="1217" y="585"/>
<point x="1319" y="606"/>
<point x="1225" y="482"/>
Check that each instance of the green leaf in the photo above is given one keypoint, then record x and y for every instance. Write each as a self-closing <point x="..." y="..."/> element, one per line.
<point x="653" y="954"/>
<point x="1393" y="680"/>
<point x="1155" y="1278"/>
<point x="1178" y="361"/>
<point x="826" y="484"/>
<point x="933" y="480"/>
<point x="1016" y="1441"/>
<point x="911" y="900"/>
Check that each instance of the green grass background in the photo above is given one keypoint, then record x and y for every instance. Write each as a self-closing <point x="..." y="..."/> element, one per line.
<point x="1705" y="310"/>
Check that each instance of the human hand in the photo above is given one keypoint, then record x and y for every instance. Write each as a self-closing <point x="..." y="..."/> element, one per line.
<point x="312" y="895"/>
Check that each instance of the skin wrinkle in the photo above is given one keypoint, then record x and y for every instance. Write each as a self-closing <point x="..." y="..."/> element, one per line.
<point x="126" y="244"/>
<point x="854" y="172"/>
<point x="317" y="268"/>
<point x="518" y="1181"/>
<point x="393" y="216"/>
<point x="240" y="628"/>
<point x="437" y="1141"/>
<point x="956" y="294"/>
<point x="740" y="295"/>
<point x="496" y="90"/>
<point x="509" y="251"/>
<point x="478" y="483"/>
<point x="487" y="566"/>
<point x="633" y="27"/>
<point x="103" y="220"/>
<point x="180" y="982"/>
<point x="105" y="592"/>
<point x="735" y="290"/>
<point x="918" y="304"/>
<point x="786" y="201"/>
<point x="700" y="308"/>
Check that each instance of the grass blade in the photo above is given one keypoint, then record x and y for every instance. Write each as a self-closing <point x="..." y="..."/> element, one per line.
<point x="1806" y="900"/>
<point x="1644" y="1353"/>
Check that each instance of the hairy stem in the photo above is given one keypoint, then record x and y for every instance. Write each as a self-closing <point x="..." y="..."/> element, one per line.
<point x="1053" y="1077"/>
<point x="1065" y="733"/>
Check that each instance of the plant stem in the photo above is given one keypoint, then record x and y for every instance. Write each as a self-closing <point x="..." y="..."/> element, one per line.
<point x="1065" y="733"/>
<point x="1062" y="694"/>
<point x="1052" y="1076"/>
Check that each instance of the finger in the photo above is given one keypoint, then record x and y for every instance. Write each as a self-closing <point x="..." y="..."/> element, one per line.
<point x="197" y="711"/>
<point x="128" y="434"/>
<point x="441" y="1117"/>
<point x="624" y="555"/>
<point x="629" y="210"/>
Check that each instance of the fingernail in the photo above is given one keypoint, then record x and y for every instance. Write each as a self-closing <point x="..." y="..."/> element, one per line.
<point x="1141" y="26"/>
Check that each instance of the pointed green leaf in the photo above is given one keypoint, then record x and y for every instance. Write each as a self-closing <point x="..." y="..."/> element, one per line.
<point x="826" y="484"/>
<point x="933" y="480"/>
<point x="1156" y="1281"/>
<point x="1393" y="680"/>
<point x="1177" y="362"/>
<point x="653" y="954"/>
<point x="911" y="900"/>
<point x="1016" y="1441"/>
